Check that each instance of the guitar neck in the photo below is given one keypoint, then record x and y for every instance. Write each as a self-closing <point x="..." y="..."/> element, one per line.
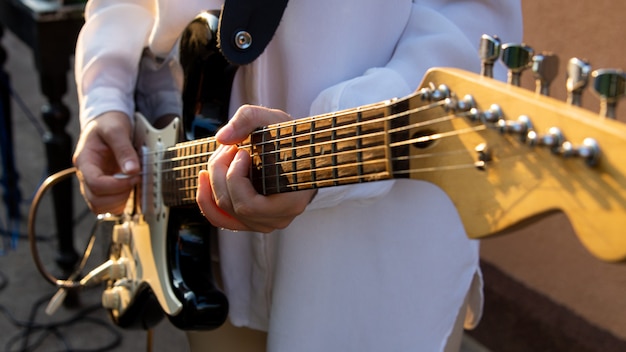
<point x="352" y="146"/>
<point x="504" y="155"/>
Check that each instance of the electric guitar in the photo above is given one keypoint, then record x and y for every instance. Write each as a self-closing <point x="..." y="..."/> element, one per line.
<point x="503" y="154"/>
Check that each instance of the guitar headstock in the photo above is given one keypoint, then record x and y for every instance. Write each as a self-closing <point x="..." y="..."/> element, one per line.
<point x="506" y="155"/>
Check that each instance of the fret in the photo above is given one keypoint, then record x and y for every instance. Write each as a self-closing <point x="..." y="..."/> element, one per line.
<point x="277" y="160"/>
<point x="312" y="153"/>
<point x="334" y="149"/>
<point x="185" y="160"/>
<point x="359" y="145"/>
<point x="264" y="160"/>
<point x="329" y="150"/>
<point x="294" y="156"/>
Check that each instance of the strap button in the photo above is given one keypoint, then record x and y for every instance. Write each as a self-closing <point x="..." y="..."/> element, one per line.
<point x="243" y="40"/>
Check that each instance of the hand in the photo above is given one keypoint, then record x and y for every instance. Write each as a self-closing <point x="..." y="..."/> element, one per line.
<point x="226" y="195"/>
<point x="104" y="149"/>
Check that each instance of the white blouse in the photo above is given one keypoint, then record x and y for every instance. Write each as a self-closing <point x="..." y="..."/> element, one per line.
<point x="382" y="266"/>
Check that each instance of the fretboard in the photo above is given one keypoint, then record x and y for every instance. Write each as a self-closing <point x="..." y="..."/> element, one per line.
<point x="349" y="147"/>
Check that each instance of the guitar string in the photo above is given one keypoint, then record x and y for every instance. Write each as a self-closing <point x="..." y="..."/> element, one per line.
<point x="301" y="122"/>
<point x="207" y="154"/>
<point x="203" y="142"/>
<point x="192" y="186"/>
<point x="421" y="139"/>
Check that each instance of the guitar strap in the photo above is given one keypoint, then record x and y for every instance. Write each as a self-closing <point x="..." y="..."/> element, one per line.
<point x="211" y="50"/>
<point x="246" y="28"/>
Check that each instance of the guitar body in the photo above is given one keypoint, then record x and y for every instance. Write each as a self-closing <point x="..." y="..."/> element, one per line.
<point x="166" y="251"/>
<point x="168" y="246"/>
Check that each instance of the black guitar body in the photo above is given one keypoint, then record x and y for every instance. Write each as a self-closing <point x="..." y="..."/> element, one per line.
<point x="206" y="94"/>
<point x="144" y="313"/>
<point x="208" y="78"/>
<point x="189" y="238"/>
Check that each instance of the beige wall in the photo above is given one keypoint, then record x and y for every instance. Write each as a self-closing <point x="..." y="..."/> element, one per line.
<point x="547" y="255"/>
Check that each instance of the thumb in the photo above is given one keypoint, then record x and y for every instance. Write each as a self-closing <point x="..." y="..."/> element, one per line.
<point x="126" y="156"/>
<point x="117" y="135"/>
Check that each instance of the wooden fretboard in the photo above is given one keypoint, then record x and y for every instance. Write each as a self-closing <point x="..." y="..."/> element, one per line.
<point x="328" y="150"/>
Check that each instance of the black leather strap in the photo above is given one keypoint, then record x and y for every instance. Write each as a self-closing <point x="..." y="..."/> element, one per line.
<point x="243" y="20"/>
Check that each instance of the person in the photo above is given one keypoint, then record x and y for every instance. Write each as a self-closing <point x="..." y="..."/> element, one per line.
<point x="380" y="266"/>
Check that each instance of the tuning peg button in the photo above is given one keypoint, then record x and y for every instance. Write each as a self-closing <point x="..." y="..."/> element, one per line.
<point x="545" y="67"/>
<point x="578" y="71"/>
<point x="517" y="58"/>
<point x="489" y="52"/>
<point x="610" y="86"/>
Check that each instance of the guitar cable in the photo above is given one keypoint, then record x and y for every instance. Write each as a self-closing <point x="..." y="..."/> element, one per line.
<point x="69" y="283"/>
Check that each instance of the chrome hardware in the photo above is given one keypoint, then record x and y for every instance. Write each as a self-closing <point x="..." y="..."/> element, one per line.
<point x="578" y="71"/>
<point x="517" y="58"/>
<point x="553" y="139"/>
<point x="610" y="86"/>
<point x="545" y="67"/>
<point x="520" y="127"/>
<point x="435" y="94"/>
<point x="589" y="151"/>
<point x="483" y="156"/>
<point x="489" y="52"/>
<point x="243" y="40"/>
<point x="460" y="105"/>
<point x="492" y="115"/>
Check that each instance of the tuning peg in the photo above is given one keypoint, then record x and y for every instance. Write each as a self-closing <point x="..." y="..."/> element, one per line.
<point x="545" y="67"/>
<point x="517" y="58"/>
<point x="610" y="86"/>
<point x="489" y="52"/>
<point x="578" y="71"/>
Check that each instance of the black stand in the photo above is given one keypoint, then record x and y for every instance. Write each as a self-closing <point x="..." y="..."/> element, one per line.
<point x="11" y="196"/>
<point x="50" y="30"/>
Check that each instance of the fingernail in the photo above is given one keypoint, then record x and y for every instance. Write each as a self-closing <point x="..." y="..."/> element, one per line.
<point x="224" y="133"/>
<point x="130" y="167"/>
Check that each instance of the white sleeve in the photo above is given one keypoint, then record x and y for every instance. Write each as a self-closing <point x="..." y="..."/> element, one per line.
<point x="108" y="52"/>
<point x="439" y="33"/>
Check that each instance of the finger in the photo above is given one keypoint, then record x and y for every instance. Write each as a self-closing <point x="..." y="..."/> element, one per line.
<point x="242" y="194"/>
<point x="258" y="212"/>
<point x="247" y="119"/>
<point x="208" y="207"/>
<point x="218" y="167"/>
<point x="124" y="151"/>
